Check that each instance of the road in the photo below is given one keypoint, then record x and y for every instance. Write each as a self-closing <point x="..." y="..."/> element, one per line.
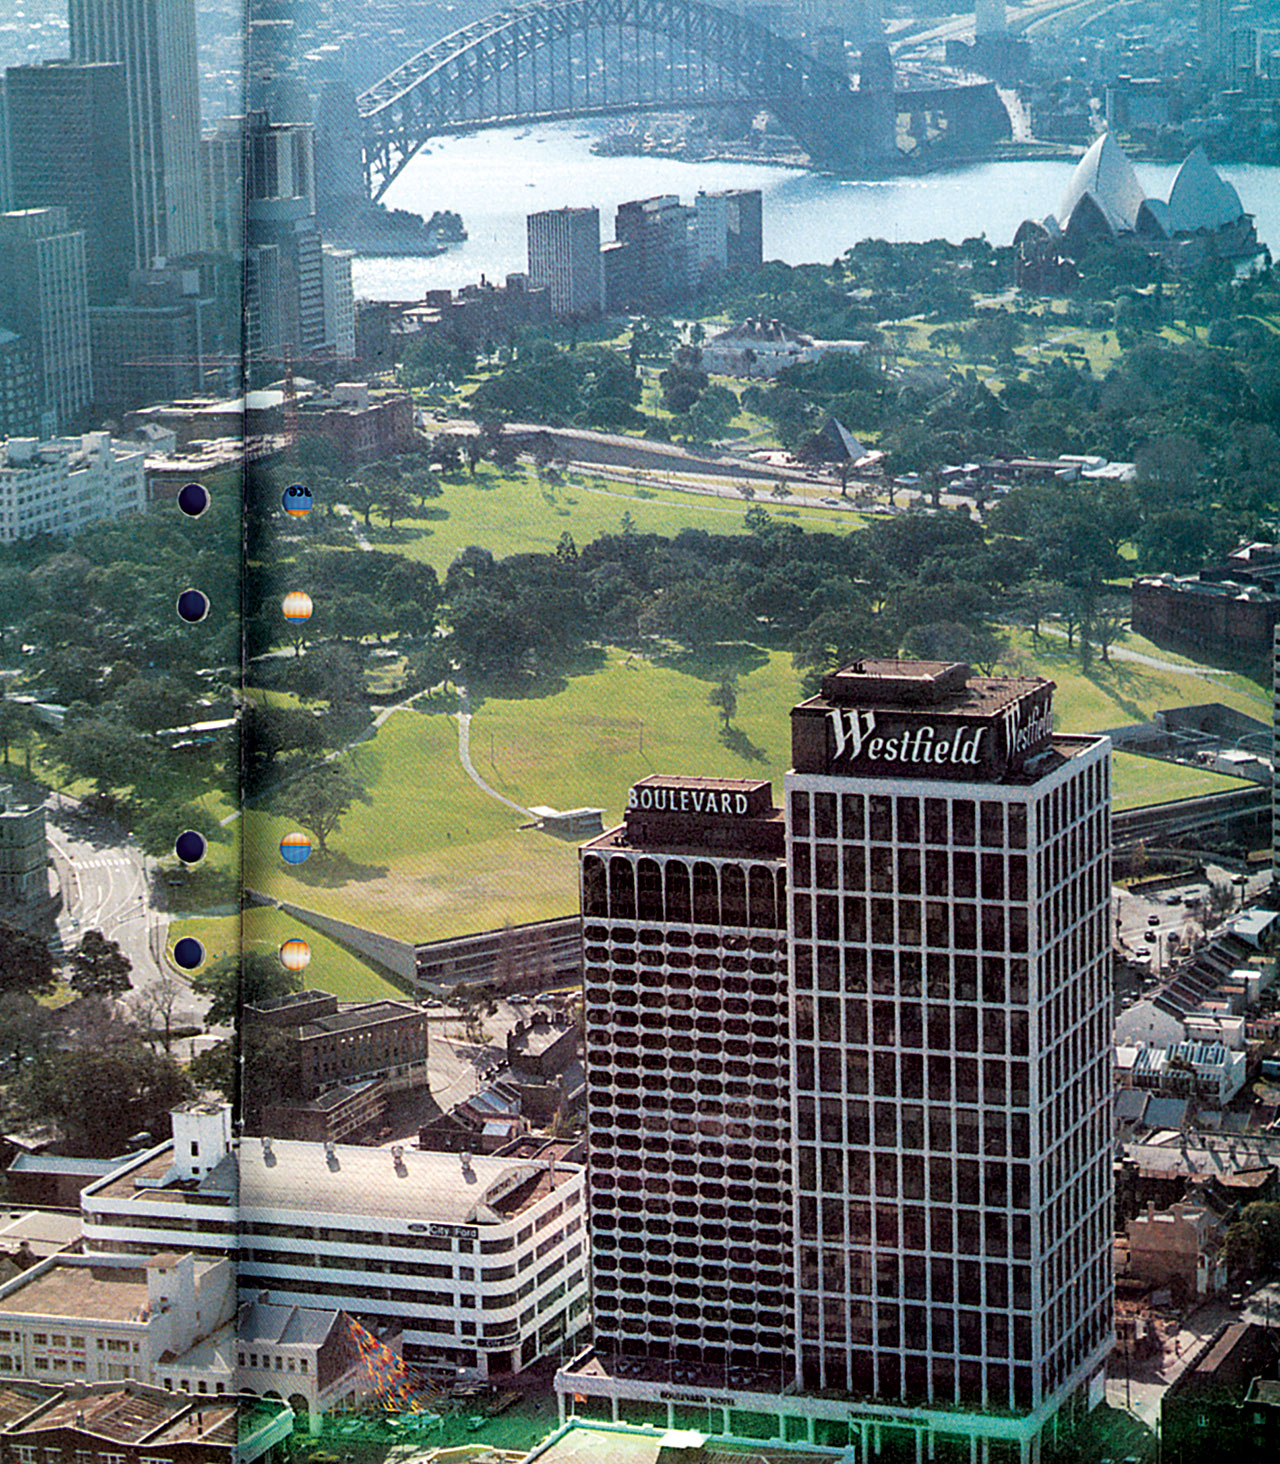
<point x="106" y="887"/>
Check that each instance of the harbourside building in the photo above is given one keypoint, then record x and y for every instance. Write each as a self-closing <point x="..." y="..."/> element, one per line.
<point x="1105" y="203"/>
<point x="947" y="1251"/>
<point x="564" y="256"/>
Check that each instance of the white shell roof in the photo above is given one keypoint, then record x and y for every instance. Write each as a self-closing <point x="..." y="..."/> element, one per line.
<point x="1199" y="198"/>
<point x="1107" y="176"/>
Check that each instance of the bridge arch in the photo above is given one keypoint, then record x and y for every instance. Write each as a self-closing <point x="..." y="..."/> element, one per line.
<point x="573" y="58"/>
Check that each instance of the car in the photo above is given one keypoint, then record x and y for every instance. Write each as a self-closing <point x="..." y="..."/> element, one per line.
<point x="830" y="502"/>
<point x="1149" y="935"/>
<point x="1153" y="920"/>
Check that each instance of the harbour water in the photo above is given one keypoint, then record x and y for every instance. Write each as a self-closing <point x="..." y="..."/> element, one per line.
<point x="494" y="178"/>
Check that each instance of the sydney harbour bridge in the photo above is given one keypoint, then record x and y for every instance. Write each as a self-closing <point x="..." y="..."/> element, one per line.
<point x="578" y="58"/>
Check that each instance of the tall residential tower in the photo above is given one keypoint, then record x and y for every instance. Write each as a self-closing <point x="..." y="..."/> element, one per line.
<point x="564" y="254"/>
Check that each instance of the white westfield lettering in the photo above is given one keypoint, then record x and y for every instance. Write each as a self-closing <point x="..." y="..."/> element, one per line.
<point x="856" y="737"/>
<point x="687" y="800"/>
<point x="1022" y="735"/>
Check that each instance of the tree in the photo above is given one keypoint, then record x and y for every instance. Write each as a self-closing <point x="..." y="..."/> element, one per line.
<point x="246" y="979"/>
<point x="104" y="752"/>
<point x="26" y="964"/>
<point x="24" y="1026"/>
<point x="319" y="799"/>
<point x="99" y="967"/>
<point x="395" y="503"/>
<point x="724" y="695"/>
<point x="270" y="1070"/>
<point x="471" y="1004"/>
<point x="15" y="724"/>
<point x="1110" y="623"/>
<point x="99" y="1099"/>
<point x="155" y="1004"/>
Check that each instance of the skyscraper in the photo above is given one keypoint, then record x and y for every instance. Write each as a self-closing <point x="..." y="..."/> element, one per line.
<point x="284" y="297"/>
<point x="66" y="129"/>
<point x="949" y="861"/>
<point x="946" y="1062"/>
<point x="657" y="231"/>
<point x="728" y="230"/>
<point x="685" y="998"/>
<point x="44" y="301"/>
<point x="564" y="255"/>
<point x="155" y="42"/>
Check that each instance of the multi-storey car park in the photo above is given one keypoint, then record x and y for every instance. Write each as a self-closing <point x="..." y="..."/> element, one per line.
<point x="480" y="1260"/>
<point x="946" y="1255"/>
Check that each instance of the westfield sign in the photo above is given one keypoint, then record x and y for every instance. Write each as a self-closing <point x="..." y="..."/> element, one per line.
<point x="859" y="738"/>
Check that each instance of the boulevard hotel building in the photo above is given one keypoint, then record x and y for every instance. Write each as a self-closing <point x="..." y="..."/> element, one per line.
<point x="848" y="1085"/>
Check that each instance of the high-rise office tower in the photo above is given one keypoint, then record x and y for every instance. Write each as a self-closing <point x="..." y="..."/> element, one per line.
<point x="44" y="301"/>
<point x="564" y="255"/>
<point x="686" y="1060"/>
<point x="66" y="129"/>
<point x="946" y="1064"/>
<point x="728" y="230"/>
<point x="155" y="42"/>
<point x="222" y="186"/>
<point x="283" y="243"/>
<point x="1211" y="34"/>
<point x="657" y="232"/>
<point x="949" y="861"/>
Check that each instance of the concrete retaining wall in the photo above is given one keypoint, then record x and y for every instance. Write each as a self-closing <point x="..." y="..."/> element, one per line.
<point x="395" y="956"/>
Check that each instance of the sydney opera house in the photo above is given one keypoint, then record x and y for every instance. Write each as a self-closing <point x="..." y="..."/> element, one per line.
<point x="1202" y="218"/>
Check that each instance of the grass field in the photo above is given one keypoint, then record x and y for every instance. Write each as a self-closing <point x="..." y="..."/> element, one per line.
<point x="510" y="513"/>
<point x="432" y="855"/>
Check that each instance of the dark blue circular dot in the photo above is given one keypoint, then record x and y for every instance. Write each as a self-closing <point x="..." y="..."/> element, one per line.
<point x="190" y="846"/>
<point x="193" y="499"/>
<point x="193" y="605"/>
<point x="188" y="953"/>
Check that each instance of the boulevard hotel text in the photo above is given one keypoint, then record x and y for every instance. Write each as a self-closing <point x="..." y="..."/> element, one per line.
<point x="847" y="1077"/>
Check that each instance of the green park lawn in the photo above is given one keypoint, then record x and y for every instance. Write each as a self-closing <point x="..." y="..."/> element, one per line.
<point x="432" y="855"/>
<point x="1121" y="691"/>
<point x="510" y="513"/>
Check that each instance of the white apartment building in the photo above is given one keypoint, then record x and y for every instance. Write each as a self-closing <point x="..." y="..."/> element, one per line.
<point x="339" y="301"/>
<point x="63" y="485"/>
<point x="97" y="1319"/>
<point x="481" y="1261"/>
